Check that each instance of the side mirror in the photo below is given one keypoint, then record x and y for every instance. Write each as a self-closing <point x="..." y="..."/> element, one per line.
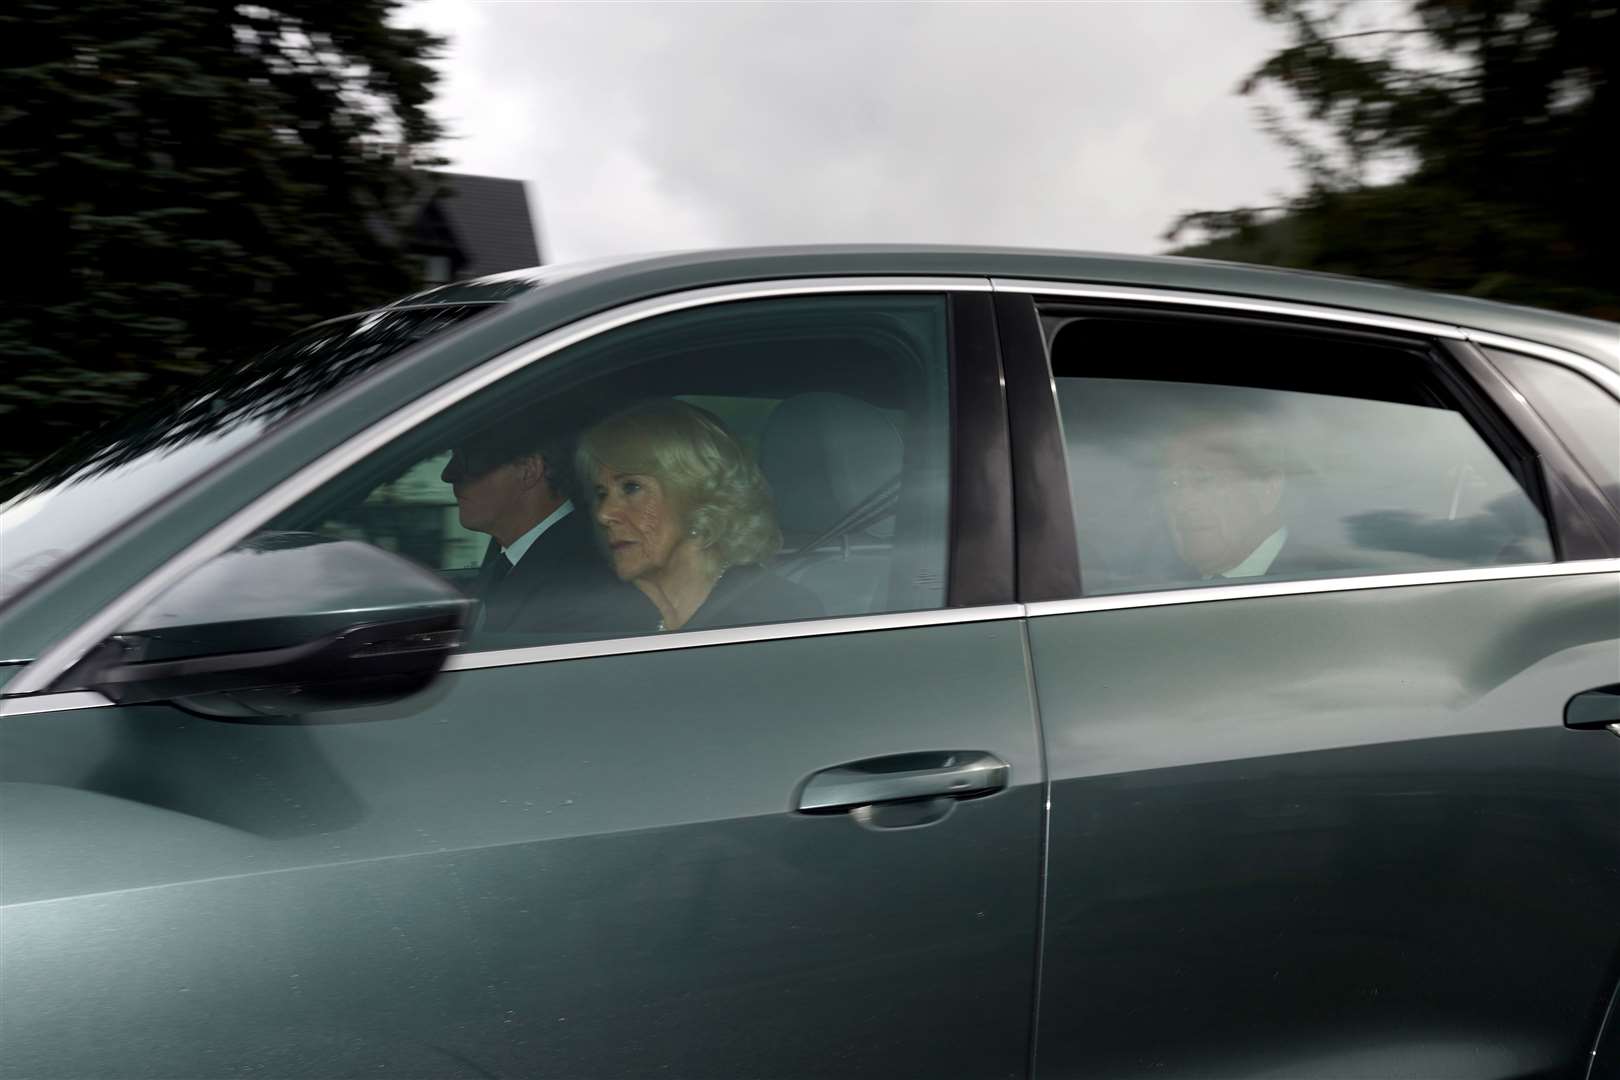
<point x="285" y="624"/>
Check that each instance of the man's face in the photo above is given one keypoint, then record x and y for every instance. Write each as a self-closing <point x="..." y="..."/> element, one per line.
<point x="485" y="494"/>
<point x="1220" y="503"/>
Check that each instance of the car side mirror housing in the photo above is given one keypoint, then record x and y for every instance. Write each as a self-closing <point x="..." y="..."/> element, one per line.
<point x="283" y="625"/>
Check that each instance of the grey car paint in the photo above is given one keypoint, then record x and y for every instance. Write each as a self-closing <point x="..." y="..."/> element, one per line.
<point x="578" y="868"/>
<point x="189" y="898"/>
<point x="1331" y="835"/>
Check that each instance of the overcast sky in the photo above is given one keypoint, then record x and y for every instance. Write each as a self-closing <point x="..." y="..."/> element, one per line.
<point x="679" y="125"/>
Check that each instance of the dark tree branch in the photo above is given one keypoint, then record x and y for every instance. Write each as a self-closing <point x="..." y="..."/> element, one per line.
<point x="1499" y="193"/>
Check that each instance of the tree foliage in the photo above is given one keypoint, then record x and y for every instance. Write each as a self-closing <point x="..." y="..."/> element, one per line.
<point x="184" y="179"/>
<point x="1461" y="145"/>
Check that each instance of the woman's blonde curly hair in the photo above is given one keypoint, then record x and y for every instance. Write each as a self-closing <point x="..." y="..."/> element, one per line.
<point x="720" y="494"/>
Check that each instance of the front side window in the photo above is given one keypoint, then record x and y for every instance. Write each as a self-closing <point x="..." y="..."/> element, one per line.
<point x="1204" y="453"/>
<point x="59" y="507"/>
<point x="751" y="462"/>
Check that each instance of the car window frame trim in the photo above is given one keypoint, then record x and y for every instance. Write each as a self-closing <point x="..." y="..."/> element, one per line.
<point x="61" y="701"/>
<point x="732" y="635"/>
<point x="39" y="676"/>
<point x="1557" y="428"/>
<point x="1048" y="546"/>
<point x="1582" y="515"/>
<point x="981" y="561"/>
<point x="1597" y="371"/>
<point x="1310" y="586"/>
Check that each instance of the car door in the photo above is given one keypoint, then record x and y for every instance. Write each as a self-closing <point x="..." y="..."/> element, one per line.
<point x="1315" y="809"/>
<point x="745" y="850"/>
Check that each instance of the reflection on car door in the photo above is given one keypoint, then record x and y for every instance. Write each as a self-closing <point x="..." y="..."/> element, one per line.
<point x="1321" y="830"/>
<point x="549" y="864"/>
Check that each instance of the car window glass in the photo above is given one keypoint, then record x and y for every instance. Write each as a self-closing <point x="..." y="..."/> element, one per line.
<point x="62" y="504"/>
<point x="1209" y="454"/>
<point x="1581" y="412"/>
<point x="751" y="462"/>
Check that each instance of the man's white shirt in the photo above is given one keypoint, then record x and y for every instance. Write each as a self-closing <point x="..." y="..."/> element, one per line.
<point x="522" y="544"/>
<point x="520" y="547"/>
<point x="1261" y="558"/>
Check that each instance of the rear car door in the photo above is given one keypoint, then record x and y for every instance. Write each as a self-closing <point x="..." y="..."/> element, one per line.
<point x="741" y="850"/>
<point x="1315" y="809"/>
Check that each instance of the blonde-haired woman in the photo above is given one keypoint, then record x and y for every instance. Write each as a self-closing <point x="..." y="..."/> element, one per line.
<point x="686" y="517"/>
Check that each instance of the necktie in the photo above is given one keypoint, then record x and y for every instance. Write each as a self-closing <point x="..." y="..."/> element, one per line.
<point x="487" y="587"/>
<point x="492" y="573"/>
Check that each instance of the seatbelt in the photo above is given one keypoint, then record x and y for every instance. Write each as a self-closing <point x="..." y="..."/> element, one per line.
<point x="873" y="508"/>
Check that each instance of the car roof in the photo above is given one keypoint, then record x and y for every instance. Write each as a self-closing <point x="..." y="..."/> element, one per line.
<point x="669" y="272"/>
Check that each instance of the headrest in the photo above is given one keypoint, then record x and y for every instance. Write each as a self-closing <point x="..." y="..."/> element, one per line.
<point x="824" y="454"/>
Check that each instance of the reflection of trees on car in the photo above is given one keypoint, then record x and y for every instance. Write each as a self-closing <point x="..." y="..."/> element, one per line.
<point x="415" y="516"/>
<point x="193" y="430"/>
<point x="263" y="388"/>
<point x="1501" y="533"/>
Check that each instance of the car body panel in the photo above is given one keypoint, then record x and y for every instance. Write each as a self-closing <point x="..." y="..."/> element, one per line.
<point x="1341" y="832"/>
<point x="584" y="867"/>
<point x="1330" y="834"/>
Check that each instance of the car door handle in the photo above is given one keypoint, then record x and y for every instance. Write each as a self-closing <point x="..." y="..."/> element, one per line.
<point x="956" y="774"/>
<point x="1595" y="708"/>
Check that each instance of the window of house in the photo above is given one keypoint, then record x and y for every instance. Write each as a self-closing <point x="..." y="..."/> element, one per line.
<point x="435" y="269"/>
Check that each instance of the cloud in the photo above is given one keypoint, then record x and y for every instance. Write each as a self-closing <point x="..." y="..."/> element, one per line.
<point x="649" y="127"/>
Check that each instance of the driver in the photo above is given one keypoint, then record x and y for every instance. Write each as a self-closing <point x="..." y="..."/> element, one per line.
<point x="542" y="571"/>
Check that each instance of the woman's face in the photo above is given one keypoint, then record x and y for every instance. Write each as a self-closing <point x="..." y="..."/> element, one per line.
<point x="639" y="522"/>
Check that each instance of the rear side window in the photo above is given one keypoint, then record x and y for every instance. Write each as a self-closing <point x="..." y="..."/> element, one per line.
<point x="1210" y="453"/>
<point x="1585" y="417"/>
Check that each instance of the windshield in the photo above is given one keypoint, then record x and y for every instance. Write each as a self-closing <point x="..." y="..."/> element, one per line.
<point x="61" y="505"/>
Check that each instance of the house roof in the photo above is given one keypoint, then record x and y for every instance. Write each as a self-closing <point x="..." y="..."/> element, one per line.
<point x="489" y="218"/>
